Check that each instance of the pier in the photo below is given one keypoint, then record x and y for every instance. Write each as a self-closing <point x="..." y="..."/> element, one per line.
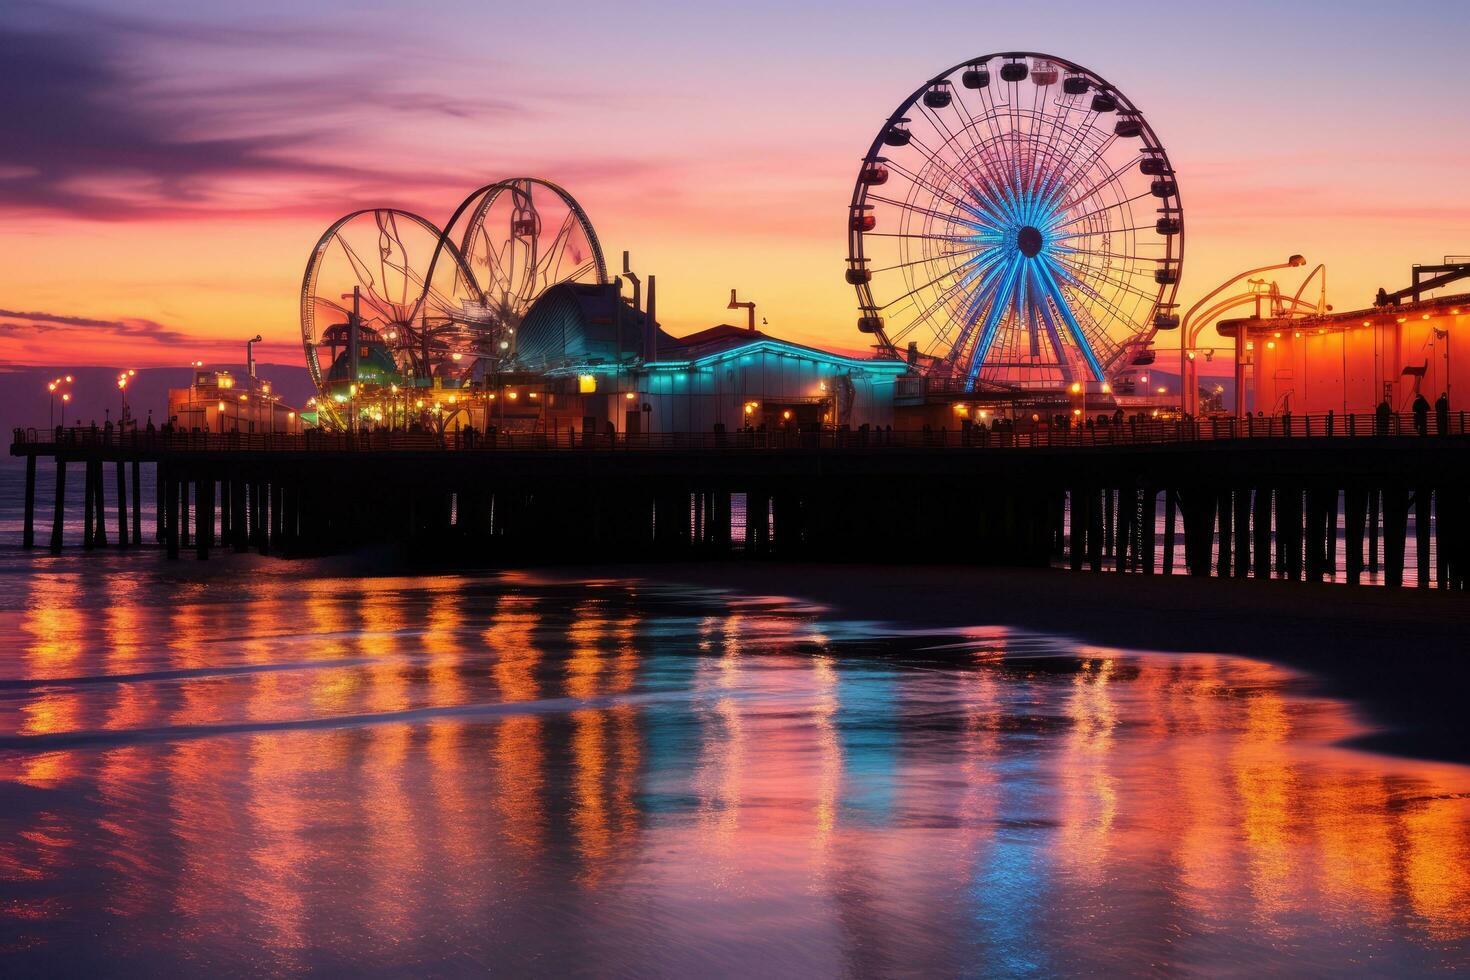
<point x="1259" y="500"/>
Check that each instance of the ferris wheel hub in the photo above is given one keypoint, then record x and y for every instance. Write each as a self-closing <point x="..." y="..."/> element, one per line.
<point x="1029" y="241"/>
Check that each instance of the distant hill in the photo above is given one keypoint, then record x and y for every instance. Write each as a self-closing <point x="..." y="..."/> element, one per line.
<point x="24" y="401"/>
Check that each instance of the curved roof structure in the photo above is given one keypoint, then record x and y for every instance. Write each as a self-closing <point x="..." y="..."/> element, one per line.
<point x="583" y="323"/>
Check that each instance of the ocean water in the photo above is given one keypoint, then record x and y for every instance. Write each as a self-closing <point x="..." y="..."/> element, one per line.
<point x="250" y="766"/>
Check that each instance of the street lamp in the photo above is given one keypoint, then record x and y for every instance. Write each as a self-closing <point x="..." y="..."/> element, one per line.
<point x="1187" y="335"/>
<point x="1081" y="393"/>
<point x="250" y="355"/>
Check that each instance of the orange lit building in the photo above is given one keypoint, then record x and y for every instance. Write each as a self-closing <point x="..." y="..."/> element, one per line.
<point x="1350" y="362"/>
<point x="218" y="401"/>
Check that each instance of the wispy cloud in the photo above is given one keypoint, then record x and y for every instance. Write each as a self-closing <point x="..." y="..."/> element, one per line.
<point x="14" y="322"/>
<point x="96" y="128"/>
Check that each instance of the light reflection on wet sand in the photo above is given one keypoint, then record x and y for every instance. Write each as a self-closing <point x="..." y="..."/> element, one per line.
<point x="614" y="777"/>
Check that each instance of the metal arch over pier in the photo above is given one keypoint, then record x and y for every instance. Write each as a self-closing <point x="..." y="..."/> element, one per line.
<point x="1088" y="498"/>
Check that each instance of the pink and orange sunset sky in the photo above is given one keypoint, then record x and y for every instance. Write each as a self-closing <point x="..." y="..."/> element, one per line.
<point x="166" y="167"/>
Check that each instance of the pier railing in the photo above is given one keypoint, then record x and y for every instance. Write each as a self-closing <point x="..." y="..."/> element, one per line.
<point x="1097" y="433"/>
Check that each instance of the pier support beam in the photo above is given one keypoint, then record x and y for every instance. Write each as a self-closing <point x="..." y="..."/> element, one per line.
<point x="122" y="504"/>
<point x="182" y="486"/>
<point x="1171" y="503"/>
<point x="28" y="531"/>
<point x="1422" y="497"/>
<point x="1242" y="532"/>
<point x="203" y="517"/>
<point x="99" y="506"/>
<point x="1227" y="512"/>
<point x="58" y="516"/>
<point x="138" y="504"/>
<point x="89" y="501"/>
<point x="1148" y="544"/>
<point x="239" y="530"/>
<point x="1354" y="510"/>
<point x="168" y="519"/>
<point x="1261" y="519"/>
<point x="1395" y="533"/>
<point x="1373" y="498"/>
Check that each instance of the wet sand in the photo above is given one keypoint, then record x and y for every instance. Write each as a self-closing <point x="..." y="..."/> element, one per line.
<point x="1402" y="656"/>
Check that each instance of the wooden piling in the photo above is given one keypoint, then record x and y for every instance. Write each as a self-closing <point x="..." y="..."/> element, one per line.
<point x="1289" y="530"/>
<point x="182" y="486"/>
<point x="1395" y="534"/>
<point x="170" y="517"/>
<point x="138" y="503"/>
<point x="99" y="506"/>
<point x="1422" y="525"/>
<point x="203" y="517"/>
<point x="58" y="515"/>
<point x="239" y="529"/>
<point x="1171" y="504"/>
<point x="1441" y="539"/>
<point x="1095" y="531"/>
<point x="89" y="500"/>
<point x="1374" y="496"/>
<point x="122" y="504"/>
<point x="1242" y="532"/>
<point x="1261" y="520"/>
<point x="160" y="505"/>
<point x="1150" y="515"/>
<point x="1354" y="512"/>
<point x="1226" y="508"/>
<point x="28" y="532"/>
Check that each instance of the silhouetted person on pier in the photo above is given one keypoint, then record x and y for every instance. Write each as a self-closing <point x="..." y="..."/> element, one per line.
<point x="1421" y="414"/>
<point x="1442" y="413"/>
<point x="1383" y="414"/>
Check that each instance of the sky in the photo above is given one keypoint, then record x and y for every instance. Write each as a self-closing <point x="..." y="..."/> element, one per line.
<point x="167" y="167"/>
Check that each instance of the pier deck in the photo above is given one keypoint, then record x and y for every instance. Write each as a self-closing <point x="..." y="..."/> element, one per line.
<point x="1252" y="496"/>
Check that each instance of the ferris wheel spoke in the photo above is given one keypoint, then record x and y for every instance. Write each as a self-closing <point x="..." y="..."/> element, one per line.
<point x="1053" y="143"/>
<point x="990" y="205"/>
<point x="360" y="269"/>
<point x="1096" y="233"/>
<point x="1105" y="209"/>
<point x="1104" y="253"/>
<point x="980" y="260"/>
<point x="984" y="208"/>
<point x="1050" y="287"/>
<point x="933" y="258"/>
<point x="972" y="179"/>
<point x="981" y="154"/>
<point x="1084" y="164"/>
<point x="1118" y="283"/>
<point x="930" y="212"/>
<point x="1059" y="351"/>
<point x="552" y="259"/>
<point x="1005" y="199"/>
<point x="978" y="267"/>
<point x="1089" y="293"/>
<point x="1076" y="197"/>
<point x="917" y="181"/>
<point x="997" y="310"/>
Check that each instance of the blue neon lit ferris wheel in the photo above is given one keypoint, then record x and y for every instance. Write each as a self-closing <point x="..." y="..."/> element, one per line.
<point x="1016" y="223"/>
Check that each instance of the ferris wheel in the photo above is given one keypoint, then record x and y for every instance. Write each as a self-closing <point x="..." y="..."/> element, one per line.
<point x="519" y="237"/>
<point x="374" y="271"/>
<point x="1016" y="223"/>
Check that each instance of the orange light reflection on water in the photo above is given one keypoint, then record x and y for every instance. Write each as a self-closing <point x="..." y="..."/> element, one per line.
<point x="445" y="761"/>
